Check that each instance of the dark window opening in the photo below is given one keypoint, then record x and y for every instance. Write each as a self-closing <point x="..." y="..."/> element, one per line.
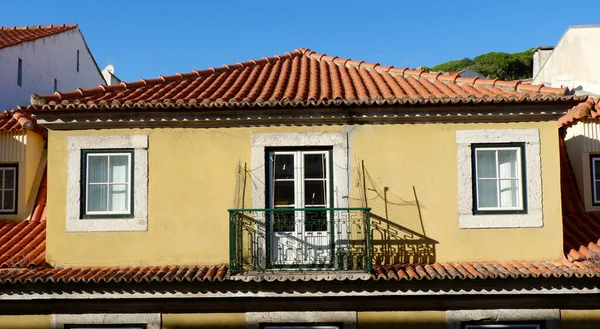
<point x="20" y="73"/>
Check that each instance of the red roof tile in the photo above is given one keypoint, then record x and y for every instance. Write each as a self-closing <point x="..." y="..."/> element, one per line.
<point x="299" y="78"/>
<point x="12" y="36"/>
<point x="17" y="120"/>
<point x="146" y="274"/>
<point x="588" y="109"/>
<point x="487" y="270"/>
<point x="23" y="244"/>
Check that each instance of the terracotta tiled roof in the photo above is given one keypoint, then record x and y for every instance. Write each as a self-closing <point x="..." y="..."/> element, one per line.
<point x="588" y="109"/>
<point x="22" y="244"/>
<point x="17" y="120"/>
<point x="39" y="209"/>
<point x="11" y="36"/>
<point x="487" y="270"/>
<point x="299" y="78"/>
<point x="179" y="273"/>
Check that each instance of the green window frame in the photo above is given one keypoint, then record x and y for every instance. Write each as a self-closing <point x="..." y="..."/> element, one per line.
<point x="108" y="182"/>
<point x="9" y="189"/>
<point x="496" y="177"/>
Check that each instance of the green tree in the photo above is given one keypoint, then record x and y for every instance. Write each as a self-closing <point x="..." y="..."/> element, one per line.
<point x="494" y="65"/>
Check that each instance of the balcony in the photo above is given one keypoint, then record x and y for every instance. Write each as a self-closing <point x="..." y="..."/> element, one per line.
<point x="300" y="239"/>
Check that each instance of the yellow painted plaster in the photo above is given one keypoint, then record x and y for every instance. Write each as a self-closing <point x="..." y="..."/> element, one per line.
<point x="580" y="319"/>
<point x="204" y="321"/>
<point x="424" y="156"/>
<point x="192" y="176"/>
<point x="25" y="321"/>
<point x="405" y="320"/>
<point x="34" y="149"/>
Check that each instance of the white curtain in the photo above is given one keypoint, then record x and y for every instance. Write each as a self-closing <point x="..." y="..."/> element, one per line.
<point x="108" y="177"/>
<point x="509" y="181"/>
<point x="487" y="184"/>
<point x="97" y="183"/>
<point x="118" y="189"/>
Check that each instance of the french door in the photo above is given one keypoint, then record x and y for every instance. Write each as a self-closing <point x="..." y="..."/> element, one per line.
<point x="299" y="179"/>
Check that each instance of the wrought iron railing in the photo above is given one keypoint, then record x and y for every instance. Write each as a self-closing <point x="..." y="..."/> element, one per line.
<point x="330" y="239"/>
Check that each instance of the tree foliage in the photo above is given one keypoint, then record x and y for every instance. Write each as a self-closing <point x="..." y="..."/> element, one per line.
<point x="494" y="65"/>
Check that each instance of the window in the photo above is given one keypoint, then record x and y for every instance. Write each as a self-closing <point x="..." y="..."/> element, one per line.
<point x="20" y="73"/>
<point x="77" y="60"/>
<point x="498" y="178"/>
<point x="499" y="181"/>
<point x="55" y="85"/>
<point x="595" y="171"/>
<point x="107" y="189"/>
<point x="8" y="189"/>
<point x="107" y="183"/>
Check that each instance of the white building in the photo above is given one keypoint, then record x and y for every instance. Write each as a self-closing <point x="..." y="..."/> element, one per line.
<point x="573" y="63"/>
<point x="44" y="59"/>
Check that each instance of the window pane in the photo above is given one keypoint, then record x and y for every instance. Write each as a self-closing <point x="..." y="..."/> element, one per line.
<point x="315" y="221"/>
<point x="96" y="198"/>
<point x="487" y="193"/>
<point x="97" y="169"/>
<point x="9" y="199"/>
<point x="9" y="179"/>
<point x="314" y="193"/>
<point x="284" y="166"/>
<point x="283" y="221"/>
<point x="118" y="198"/>
<point x="597" y="168"/>
<point x="597" y="195"/>
<point x="486" y="164"/>
<point x="284" y="194"/>
<point x="119" y="172"/>
<point x="507" y="161"/>
<point x="509" y="193"/>
<point x="314" y="165"/>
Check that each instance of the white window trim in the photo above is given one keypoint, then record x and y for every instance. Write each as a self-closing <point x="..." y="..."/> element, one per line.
<point x="151" y="320"/>
<point x="533" y="174"/>
<point x="551" y="317"/>
<point x="139" y="222"/>
<point x="255" y="319"/>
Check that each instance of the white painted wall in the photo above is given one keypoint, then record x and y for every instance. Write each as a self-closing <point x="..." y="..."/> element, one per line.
<point x="574" y="58"/>
<point x="540" y="56"/>
<point x="46" y="59"/>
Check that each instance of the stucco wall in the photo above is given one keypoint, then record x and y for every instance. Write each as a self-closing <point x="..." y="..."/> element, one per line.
<point x="44" y="60"/>
<point x="405" y="320"/>
<point x="25" y="321"/>
<point x="580" y="319"/>
<point x="192" y="174"/>
<point x="576" y="55"/>
<point x="204" y="321"/>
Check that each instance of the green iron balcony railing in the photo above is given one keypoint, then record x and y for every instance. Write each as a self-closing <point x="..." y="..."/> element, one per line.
<point x="328" y="239"/>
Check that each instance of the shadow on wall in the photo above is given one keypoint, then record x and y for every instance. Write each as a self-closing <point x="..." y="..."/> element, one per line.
<point x="397" y="230"/>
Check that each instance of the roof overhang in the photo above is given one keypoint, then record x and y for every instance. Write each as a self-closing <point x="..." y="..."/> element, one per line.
<point x="225" y="117"/>
<point x="291" y="296"/>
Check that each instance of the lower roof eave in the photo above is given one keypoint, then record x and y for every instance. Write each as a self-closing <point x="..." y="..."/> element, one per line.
<point x="287" y="296"/>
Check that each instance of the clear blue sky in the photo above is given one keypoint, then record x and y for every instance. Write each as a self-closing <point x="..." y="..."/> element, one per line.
<point x="144" y="39"/>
